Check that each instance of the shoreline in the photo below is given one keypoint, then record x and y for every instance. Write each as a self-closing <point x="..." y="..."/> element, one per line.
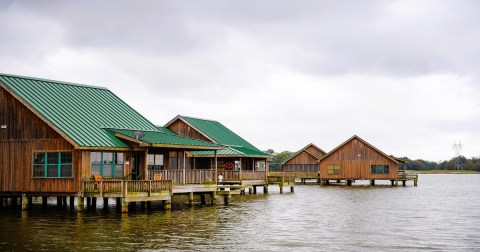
<point x="443" y="172"/>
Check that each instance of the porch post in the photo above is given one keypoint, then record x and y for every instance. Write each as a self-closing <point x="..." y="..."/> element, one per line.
<point x="145" y="165"/>
<point x="184" y="162"/>
<point x="253" y="164"/>
<point x="216" y="168"/>
<point x="194" y="163"/>
<point x="241" y="176"/>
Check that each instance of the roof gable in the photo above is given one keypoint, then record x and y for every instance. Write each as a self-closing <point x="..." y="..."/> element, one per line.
<point x="79" y="112"/>
<point x="220" y="134"/>
<point x="305" y="149"/>
<point x="364" y="142"/>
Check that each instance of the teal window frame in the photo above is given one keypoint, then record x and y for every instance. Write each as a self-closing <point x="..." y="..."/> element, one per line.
<point x="379" y="169"/>
<point x="59" y="164"/>
<point x="154" y="166"/>
<point x="333" y="169"/>
<point x="112" y="167"/>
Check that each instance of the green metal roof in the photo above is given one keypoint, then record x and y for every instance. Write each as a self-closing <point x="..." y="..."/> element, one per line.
<point x="160" y="138"/>
<point x="227" y="152"/>
<point x="223" y="135"/>
<point x="80" y="112"/>
<point x="166" y="130"/>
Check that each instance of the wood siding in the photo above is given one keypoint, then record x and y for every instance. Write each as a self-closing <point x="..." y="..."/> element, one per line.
<point x="355" y="159"/>
<point x="316" y="152"/>
<point x="185" y="130"/>
<point x="24" y="135"/>
<point x="302" y="158"/>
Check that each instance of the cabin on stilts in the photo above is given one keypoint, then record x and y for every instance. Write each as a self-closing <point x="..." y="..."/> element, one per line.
<point x="70" y="140"/>
<point x="240" y="164"/>
<point x="303" y="164"/>
<point x="355" y="159"/>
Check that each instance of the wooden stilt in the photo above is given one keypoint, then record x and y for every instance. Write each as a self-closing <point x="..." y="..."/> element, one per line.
<point x="349" y="182"/>
<point x="89" y="202"/>
<point x="149" y="205"/>
<point x="265" y="189"/>
<point x="167" y="204"/>
<point x="392" y="182"/>
<point x="281" y="188"/>
<point x="143" y="204"/>
<point x="72" y="202"/>
<point x="254" y="190"/>
<point x="292" y="189"/>
<point x="24" y="202"/>
<point x="64" y="201"/>
<point x="415" y="182"/>
<point x="94" y="202"/>
<point x="212" y="198"/>
<point x="124" y="206"/>
<point x="44" y="201"/>
<point x="105" y="202"/>
<point x="203" y="199"/>
<point x="59" y="201"/>
<point x="372" y="182"/>
<point x="226" y="199"/>
<point x="80" y="204"/>
<point x="404" y="183"/>
<point x="190" y="199"/>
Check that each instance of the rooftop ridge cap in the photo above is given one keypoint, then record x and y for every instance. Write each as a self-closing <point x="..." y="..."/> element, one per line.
<point x="54" y="81"/>
<point x="198" y="118"/>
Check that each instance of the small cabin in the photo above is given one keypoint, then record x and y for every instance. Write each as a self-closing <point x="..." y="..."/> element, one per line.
<point x="304" y="163"/>
<point x="356" y="159"/>
<point x="241" y="161"/>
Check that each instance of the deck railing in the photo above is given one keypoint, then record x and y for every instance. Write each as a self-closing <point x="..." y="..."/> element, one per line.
<point x="254" y="175"/>
<point x="125" y="186"/>
<point x="407" y="176"/>
<point x="229" y="175"/>
<point x="181" y="177"/>
<point x="280" y="179"/>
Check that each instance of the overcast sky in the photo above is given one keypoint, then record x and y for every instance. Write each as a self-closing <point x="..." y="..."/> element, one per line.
<point x="402" y="75"/>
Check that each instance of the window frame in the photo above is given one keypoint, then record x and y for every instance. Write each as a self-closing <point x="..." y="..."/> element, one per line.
<point x="112" y="164"/>
<point x="156" y="167"/>
<point x="379" y="169"/>
<point x="46" y="165"/>
<point x="335" y="170"/>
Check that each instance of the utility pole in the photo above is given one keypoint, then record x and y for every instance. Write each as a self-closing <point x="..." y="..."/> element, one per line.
<point x="457" y="147"/>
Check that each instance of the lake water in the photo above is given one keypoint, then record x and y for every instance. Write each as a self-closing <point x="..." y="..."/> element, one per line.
<point x="441" y="214"/>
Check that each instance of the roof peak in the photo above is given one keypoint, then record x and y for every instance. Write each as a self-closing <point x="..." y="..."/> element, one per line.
<point x="198" y="118"/>
<point x="52" y="81"/>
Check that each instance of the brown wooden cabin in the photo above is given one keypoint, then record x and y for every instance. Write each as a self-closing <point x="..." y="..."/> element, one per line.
<point x="55" y="136"/>
<point x="240" y="162"/>
<point x="355" y="159"/>
<point x="303" y="164"/>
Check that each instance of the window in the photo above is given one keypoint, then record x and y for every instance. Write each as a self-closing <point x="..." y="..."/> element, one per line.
<point x="52" y="165"/>
<point x="333" y="169"/>
<point x="155" y="162"/>
<point x="107" y="164"/>
<point x="380" y="169"/>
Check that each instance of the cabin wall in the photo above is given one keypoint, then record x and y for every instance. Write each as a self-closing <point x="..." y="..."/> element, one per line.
<point x="25" y="134"/>
<point x="355" y="159"/>
<point x="185" y="130"/>
<point x="302" y="158"/>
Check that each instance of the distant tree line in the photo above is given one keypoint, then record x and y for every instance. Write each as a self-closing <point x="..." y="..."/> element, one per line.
<point x="472" y="164"/>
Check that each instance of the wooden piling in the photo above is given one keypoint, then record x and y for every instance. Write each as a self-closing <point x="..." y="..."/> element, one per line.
<point x="167" y="204"/>
<point x="105" y="202"/>
<point x="372" y="182"/>
<point x="281" y="188"/>
<point x="404" y="183"/>
<point x="292" y="189"/>
<point x="80" y="204"/>
<point x="59" y="201"/>
<point x="24" y="202"/>
<point x="44" y="201"/>
<point x="94" y="202"/>
<point x="349" y="182"/>
<point x="124" y="206"/>
<point x="203" y="199"/>
<point x="190" y="199"/>
<point x="72" y="202"/>
<point x="265" y="189"/>
<point x="212" y="197"/>
<point x="254" y="190"/>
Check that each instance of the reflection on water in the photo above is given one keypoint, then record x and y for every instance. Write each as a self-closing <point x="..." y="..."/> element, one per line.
<point x="442" y="213"/>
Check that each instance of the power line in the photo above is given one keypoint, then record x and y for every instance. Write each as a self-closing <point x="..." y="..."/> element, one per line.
<point x="457" y="147"/>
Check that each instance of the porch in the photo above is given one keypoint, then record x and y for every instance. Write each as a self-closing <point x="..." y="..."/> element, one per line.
<point x="208" y="176"/>
<point x="126" y="191"/>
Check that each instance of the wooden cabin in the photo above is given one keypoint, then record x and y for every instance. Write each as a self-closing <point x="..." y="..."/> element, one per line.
<point x="64" y="139"/>
<point x="304" y="163"/>
<point x="355" y="159"/>
<point x="240" y="162"/>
